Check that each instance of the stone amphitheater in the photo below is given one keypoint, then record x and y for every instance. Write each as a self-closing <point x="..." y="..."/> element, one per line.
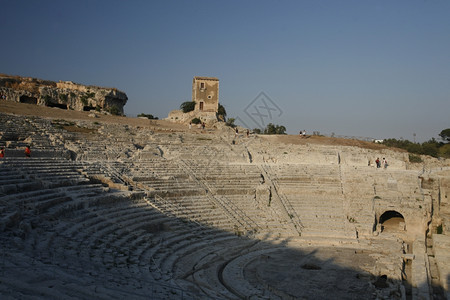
<point x="110" y="210"/>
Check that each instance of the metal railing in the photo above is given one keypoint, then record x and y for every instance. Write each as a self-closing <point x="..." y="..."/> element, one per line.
<point x="235" y="212"/>
<point x="290" y="210"/>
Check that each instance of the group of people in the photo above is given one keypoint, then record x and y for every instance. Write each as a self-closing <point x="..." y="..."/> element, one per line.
<point x="302" y="133"/>
<point x="236" y="133"/>
<point x="383" y="163"/>
<point x="27" y="152"/>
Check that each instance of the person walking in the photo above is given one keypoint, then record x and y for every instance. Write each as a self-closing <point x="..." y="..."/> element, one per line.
<point x="27" y="151"/>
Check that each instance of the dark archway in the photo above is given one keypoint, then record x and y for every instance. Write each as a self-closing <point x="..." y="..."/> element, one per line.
<point x="58" y="105"/>
<point x="88" y="108"/>
<point x="28" y="99"/>
<point x="392" y="220"/>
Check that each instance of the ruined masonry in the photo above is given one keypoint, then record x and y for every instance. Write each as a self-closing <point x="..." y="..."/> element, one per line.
<point x="205" y="94"/>
<point x="143" y="213"/>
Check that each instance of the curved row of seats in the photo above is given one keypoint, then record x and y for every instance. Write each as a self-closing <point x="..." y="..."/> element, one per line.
<point x="184" y="224"/>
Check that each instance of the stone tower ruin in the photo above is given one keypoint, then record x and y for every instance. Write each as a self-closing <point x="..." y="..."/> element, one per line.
<point x="205" y="93"/>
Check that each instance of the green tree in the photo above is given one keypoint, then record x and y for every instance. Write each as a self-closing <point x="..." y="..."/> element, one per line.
<point x="230" y="122"/>
<point x="221" y="111"/>
<point x="187" y="106"/>
<point x="445" y="134"/>
<point x="280" y="129"/>
<point x="274" y="129"/>
<point x="431" y="148"/>
<point x="270" y="129"/>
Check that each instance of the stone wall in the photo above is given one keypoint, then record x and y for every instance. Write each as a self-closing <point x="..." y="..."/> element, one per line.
<point x="66" y="95"/>
<point x="178" y="116"/>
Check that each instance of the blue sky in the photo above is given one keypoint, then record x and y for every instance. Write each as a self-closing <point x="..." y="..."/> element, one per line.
<point x="376" y="69"/>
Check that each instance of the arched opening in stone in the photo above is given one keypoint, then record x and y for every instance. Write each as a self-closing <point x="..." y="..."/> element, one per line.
<point x="392" y="220"/>
<point x="28" y="99"/>
<point x="58" y="105"/>
<point x="381" y="282"/>
<point x="88" y="108"/>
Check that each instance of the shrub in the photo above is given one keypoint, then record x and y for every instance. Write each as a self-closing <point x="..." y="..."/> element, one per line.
<point x="430" y="148"/>
<point x="114" y="110"/>
<point x="414" y="148"/>
<point x="196" y="121"/>
<point x="187" y="106"/>
<point x="444" y="151"/>
<point x="257" y="131"/>
<point x="415" y="158"/>
<point x="148" y="116"/>
<point x="230" y="122"/>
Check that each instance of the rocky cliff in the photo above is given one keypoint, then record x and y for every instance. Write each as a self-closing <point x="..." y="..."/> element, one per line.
<point x="62" y="94"/>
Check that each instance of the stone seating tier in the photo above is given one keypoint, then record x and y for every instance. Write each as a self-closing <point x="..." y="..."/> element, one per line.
<point x="203" y="194"/>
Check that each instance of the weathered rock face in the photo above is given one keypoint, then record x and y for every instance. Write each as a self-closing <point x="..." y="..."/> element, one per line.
<point x="63" y="94"/>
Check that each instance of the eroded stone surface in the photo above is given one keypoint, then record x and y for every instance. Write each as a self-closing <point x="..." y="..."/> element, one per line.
<point x="62" y="94"/>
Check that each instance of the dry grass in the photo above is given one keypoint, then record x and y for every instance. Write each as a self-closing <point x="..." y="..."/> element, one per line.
<point x="321" y="140"/>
